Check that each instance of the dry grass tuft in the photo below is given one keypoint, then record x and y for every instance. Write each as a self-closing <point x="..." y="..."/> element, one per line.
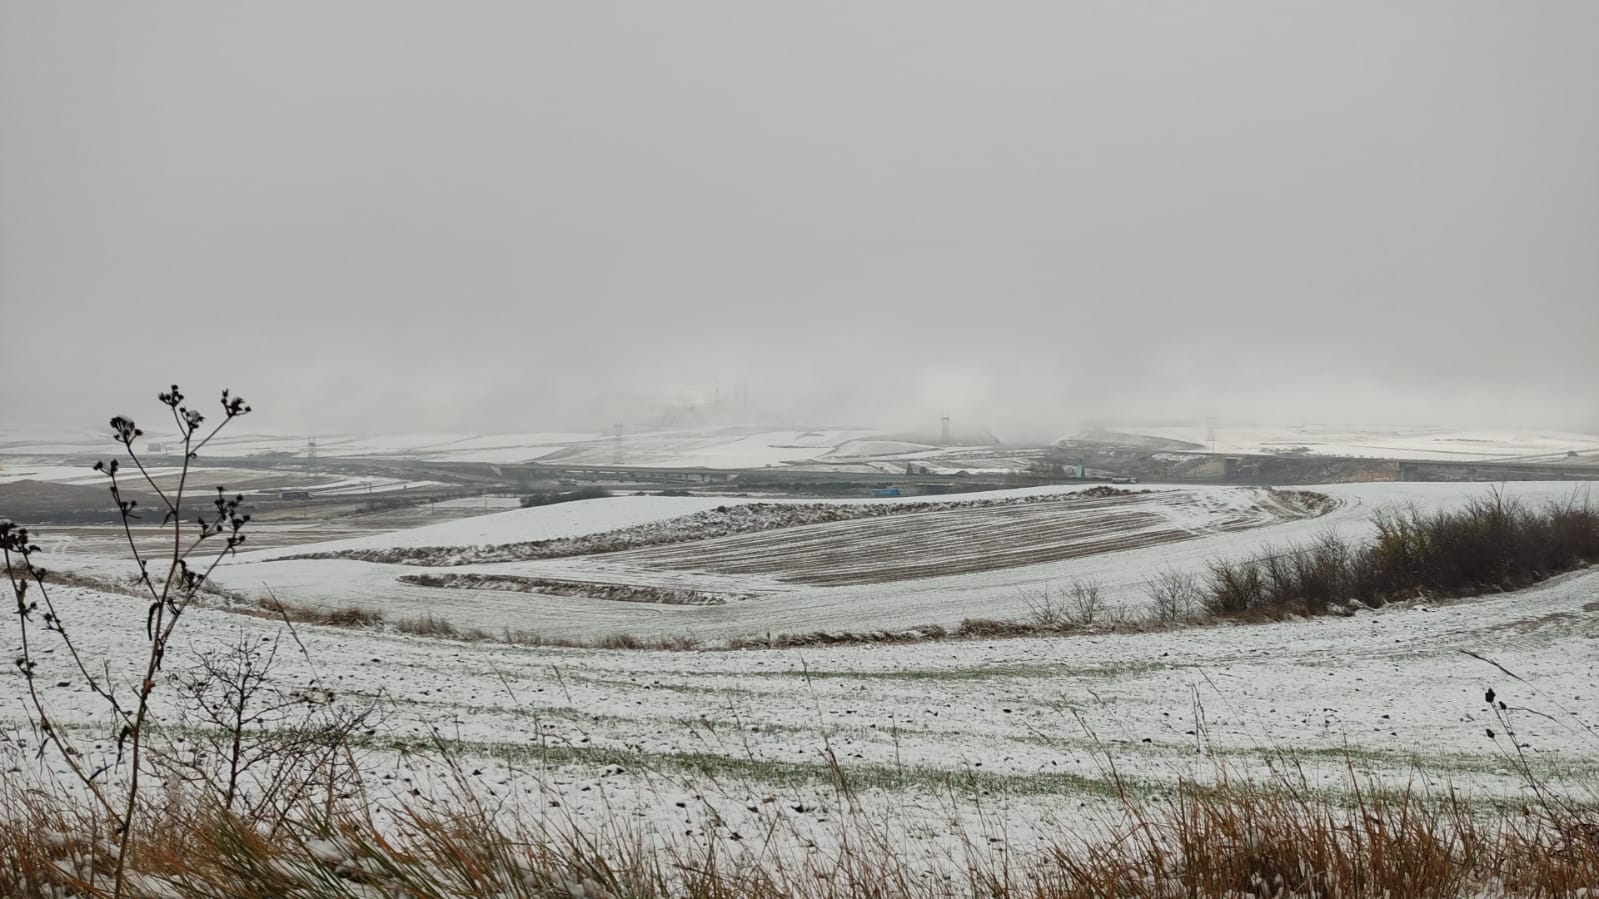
<point x="1234" y="840"/>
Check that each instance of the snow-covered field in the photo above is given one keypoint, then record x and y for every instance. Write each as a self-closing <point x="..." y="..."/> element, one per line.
<point x="724" y="447"/>
<point x="244" y="480"/>
<point x="759" y="447"/>
<point x="1195" y="518"/>
<point x="718" y="448"/>
<point x="1392" y="443"/>
<point x="950" y="743"/>
<point x="992" y="740"/>
<point x="514" y="525"/>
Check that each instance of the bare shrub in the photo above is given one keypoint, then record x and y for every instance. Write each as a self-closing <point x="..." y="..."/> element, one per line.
<point x="1322" y="572"/>
<point x="1174" y="596"/>
<point x="256" y="748"/>
<point x="1490" y="544"/>
<point x="1234" y="588"/>
<point x="1047" y="609"/>
<point x="1086" y="601"/>
<point x="1079" y="604"/>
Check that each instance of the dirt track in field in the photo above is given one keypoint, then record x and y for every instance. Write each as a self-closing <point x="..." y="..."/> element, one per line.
<point x="961" y="541"/>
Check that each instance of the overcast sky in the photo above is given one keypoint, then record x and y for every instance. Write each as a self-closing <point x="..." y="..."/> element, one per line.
<point x="506" y="216"/>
